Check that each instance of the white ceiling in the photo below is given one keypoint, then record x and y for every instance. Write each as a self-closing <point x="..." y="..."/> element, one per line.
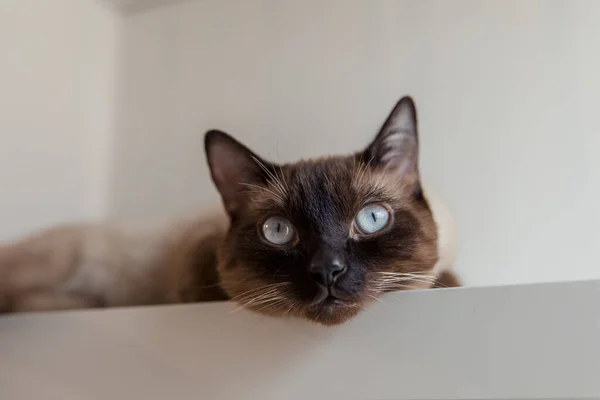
<point x="129" y="7"/>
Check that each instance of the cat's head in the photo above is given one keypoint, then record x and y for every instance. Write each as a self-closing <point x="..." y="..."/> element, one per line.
<point x="322" y="238"/>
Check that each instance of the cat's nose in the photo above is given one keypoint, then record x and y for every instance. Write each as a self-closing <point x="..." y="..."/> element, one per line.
<point x="327" y="267"/>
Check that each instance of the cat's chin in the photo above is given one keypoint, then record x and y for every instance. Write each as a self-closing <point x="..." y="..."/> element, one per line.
<point x="332" y="312"/>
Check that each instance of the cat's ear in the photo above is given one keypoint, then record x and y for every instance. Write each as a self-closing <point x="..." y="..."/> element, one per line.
<point x="396" y="146"/>
<point x="234" y="168"/>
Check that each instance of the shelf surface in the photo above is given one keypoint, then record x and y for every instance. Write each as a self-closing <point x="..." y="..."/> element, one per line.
<point x="529" y="341"/>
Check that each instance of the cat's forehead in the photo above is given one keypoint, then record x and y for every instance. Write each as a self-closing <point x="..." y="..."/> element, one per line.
<point x="333" y="187"/>
<point x="343" y="177"/>
<point x="320" y="195"/>
<point x="319" y="172"/>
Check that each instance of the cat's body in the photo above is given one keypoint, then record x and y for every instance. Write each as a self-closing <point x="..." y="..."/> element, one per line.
<point x="317" y="239"/>
<point x="110" y="264"/>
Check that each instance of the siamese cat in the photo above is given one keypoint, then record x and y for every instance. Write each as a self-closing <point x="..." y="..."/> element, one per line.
<point x="317" y="239"/>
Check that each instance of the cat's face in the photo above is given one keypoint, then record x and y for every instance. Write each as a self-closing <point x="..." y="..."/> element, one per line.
<point x="321" y="239"/>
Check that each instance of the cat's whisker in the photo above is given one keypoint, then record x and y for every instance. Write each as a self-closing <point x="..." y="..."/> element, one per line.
<point x="267" y="303"/>
<point x="258" y="290"/>
<point x="265" y="296"/>
<point x="274" y="305"/>
<point x="292" y="309"/>
<point x="258" y="297"/>
<point x="258" y="188"/>
<point x="440" y="284"/>
<point x="254" y="302"/>
<point x="357" y="166"/>
<point x="405" y="274"/>
<point x="272" y="285"/>
<point x="276" y="181"/>
<point x="377" y="299"/>
<point x="407" y="277"/>
<point x="415" y="276"/>
<point x="386" y="288"/>
<point x="289" y="309"/>
<point x="262" y="296"/>
<point x="397" y="286"/>
<point x="358" y="175"/>
<point x="285" y="184"/>
<point x="362" y="169"/>
<point x="424" y="280"/>
<point x="430" y="281"/>
<point x="396" y="280"/>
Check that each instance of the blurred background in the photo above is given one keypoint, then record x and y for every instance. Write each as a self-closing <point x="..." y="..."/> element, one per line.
<point x="104" y="103"/>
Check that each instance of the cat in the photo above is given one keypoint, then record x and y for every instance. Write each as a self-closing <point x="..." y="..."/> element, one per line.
<point x="318" y="239"/>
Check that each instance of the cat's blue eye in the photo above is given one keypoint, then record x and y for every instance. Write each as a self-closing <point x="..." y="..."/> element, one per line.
<point x="278" y="230"/>
<point x="372" y="218"/>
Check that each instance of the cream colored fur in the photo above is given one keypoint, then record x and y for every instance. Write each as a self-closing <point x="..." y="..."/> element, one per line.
<point x="448" y="237"/>
<point x="94" y="265"/>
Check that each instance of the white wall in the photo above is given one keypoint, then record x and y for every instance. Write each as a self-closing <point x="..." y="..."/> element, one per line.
<point x="507" y="93"/>
<point x="57" y="89"/>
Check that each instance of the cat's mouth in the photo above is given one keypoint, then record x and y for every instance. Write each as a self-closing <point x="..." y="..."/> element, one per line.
<point x="331" y="307"/>
<point x="328" y="297"/>
<point x="330" y="301"/>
